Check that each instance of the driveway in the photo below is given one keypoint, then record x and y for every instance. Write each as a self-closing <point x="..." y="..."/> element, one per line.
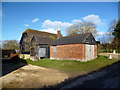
<point x="31" y="76"/>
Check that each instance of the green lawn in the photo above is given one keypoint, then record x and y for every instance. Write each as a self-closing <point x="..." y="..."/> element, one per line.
<point x="74" y="66"/>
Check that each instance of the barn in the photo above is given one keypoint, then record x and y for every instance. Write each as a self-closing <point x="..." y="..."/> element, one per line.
<point x="40" y="47"/>
<point x="27" y="36"/>
<point x="81" y="47"/>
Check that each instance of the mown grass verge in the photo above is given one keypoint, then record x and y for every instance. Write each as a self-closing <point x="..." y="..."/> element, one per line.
<point x="74" y="66"/>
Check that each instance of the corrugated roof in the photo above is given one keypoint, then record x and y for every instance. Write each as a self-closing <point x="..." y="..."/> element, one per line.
<point x="75" y="39"/>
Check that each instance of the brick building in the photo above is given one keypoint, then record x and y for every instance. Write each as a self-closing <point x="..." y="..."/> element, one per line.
<point x="81" y="47"/>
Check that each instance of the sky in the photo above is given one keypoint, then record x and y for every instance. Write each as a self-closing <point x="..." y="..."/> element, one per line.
<point x="47" y="16"/>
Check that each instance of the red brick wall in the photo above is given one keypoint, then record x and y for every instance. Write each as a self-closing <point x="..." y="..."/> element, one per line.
<point x="68" y="52"/>
<point x="95" y="51"/>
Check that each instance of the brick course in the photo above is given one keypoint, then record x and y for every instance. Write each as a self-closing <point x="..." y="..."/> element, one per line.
<point x="95" y="51"/>
<point x="70" y="52"/>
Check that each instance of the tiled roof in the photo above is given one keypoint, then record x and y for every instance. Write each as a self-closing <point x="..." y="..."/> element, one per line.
<point x="37" y="33"/>
<point x="32" y="32"/>
<point x="75" y="39"/>
<point x="43" y="40"/>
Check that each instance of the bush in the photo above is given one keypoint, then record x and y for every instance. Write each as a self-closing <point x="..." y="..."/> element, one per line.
<point x="110" y="51"/>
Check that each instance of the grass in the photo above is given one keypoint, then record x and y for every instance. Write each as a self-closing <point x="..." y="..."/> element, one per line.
<point x="74" y="66"/>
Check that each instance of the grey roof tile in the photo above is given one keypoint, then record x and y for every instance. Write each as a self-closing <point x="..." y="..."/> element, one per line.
<point x="75" y="39"/>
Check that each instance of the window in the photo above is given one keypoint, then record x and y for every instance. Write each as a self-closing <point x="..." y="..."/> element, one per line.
<point x="54" y="49"/>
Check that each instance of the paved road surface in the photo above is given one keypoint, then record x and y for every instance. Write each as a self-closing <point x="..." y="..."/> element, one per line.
<point x="106" y="78"/>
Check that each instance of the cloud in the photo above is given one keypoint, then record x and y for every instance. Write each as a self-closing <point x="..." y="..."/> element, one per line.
<point x="35" y="20"/>
<point x="55" y="24"/>
<point x="51" y="30"/>
<point x="101" y="33"/>
<point x="76" y="21"/>
<point x="95" y="19"/>
<point x="26" y="25"/>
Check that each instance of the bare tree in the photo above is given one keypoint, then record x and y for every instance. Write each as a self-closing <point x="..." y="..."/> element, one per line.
<point x="0" y="46"/>
<point x="112" y="25"/>
<point x="102" y="39"/>
<point x="81" y="27"/>
<point x="11" y="44"/>
<point x="105" y="40"/>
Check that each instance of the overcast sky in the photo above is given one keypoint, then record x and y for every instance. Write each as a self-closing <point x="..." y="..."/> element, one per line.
<point x="47" y="16"/>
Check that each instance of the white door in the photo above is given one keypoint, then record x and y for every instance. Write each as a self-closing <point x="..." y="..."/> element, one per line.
<point x="89" y="52"/>
<point x="42" y="52"/>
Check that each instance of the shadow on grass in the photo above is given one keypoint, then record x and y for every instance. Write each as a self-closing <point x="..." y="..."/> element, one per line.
<point x="70" y="80"/>
<point x="9" y="65"/>
<point x="106" y="56"/>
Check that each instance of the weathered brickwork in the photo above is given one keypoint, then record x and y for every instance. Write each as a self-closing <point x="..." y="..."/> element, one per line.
<point x="95" y="51"/>
<point x="68" y="52"/>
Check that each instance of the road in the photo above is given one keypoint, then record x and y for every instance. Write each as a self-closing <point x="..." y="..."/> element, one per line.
<point x="108" y="77"/>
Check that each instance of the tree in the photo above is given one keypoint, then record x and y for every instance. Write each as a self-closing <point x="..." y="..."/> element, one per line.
<point x="116" y="33"/>
<point x="100" y="48"/>
<point x="0" y="46"/>
<point x="82" y="27"/>
<point x="115" y="43"/>
<point x="112" y="26"/>
<point x="111" y="36"/>
<point x="106" y="42"/>
<point x="102" y="39"/>
<point x="11" y="44"/>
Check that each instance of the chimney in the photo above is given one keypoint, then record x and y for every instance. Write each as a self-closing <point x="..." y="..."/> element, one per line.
<point x="59" y="35"/>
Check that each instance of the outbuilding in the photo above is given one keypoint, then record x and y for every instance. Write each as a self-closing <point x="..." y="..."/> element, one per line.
<point x="27" y="36"/>
<point x="81" y="47"/>
<point x="40" y="47"/>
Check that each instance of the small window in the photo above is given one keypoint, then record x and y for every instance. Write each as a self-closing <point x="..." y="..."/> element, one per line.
<point x="54" y="49"/>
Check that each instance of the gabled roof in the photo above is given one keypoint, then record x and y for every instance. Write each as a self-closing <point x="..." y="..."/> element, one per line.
<point x="42" y="40"/>
<point x="76" y="39"/>
<point x="37" y="33"/>
<point x="32" y="32"/>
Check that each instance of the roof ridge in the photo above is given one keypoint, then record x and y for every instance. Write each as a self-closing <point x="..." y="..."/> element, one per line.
<point x="77" y="34"/>
<point x="40" y="36"/>
<point x="37" y="31"/>
<point x="80" y="38"/>
<point x="86" y="37"/>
